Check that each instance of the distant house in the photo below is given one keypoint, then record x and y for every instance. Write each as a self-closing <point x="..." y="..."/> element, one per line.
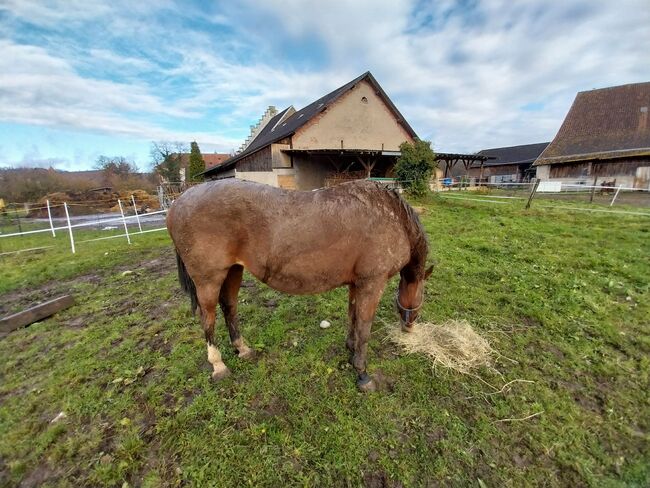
<point x="211" y="160"/>
<point x="507" y="164"/>
<point x="605" y="137"/>
<point x="353" y="132"/>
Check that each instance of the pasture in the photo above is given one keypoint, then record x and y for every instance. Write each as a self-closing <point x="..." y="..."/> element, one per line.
<point x="564" y="297"/>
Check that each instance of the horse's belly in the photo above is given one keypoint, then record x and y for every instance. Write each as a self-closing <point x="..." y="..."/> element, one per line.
<point x="306" y="276"/>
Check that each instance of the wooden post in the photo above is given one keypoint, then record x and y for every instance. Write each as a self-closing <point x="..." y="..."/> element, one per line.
<point x="593" y="190"/>
<point x="49" y="216"/>
<point x="615" y="195"/>
<point x="34" y="314"/>
<point x="137" y="217"/>
<point x="532" y="194"/>
<point x="67" y="216"/>
<point x="20" y="227"/>
<point x="126" y="230"/>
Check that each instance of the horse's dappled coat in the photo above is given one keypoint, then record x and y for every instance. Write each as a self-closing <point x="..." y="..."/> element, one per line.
<point x="356" y="234"/>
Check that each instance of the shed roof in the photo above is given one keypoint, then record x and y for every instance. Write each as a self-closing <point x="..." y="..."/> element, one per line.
<point x="603" y="124"/>
<point x="524" y="154"/>
<point x="274" y="131"/>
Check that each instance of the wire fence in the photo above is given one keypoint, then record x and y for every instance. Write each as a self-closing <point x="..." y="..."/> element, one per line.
<point x="570" y="195"/>
<point x="20" y="232"/>
<point x="28" y="227"/>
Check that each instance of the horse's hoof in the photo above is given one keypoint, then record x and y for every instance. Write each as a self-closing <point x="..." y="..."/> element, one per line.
<point x="221" y="374"/>
<point x="366" y="384"/>
<point x="247" y="353"/>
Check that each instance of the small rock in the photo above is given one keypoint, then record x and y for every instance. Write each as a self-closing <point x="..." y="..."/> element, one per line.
<point x="325" y="324"/>
<point x="106" y="459"/>
<point x="60" y="416"/>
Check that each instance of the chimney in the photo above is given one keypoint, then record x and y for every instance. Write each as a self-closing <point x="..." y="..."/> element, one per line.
<point x="643" y="119"/>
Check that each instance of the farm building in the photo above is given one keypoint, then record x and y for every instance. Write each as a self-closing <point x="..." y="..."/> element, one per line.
<point x="605" y="137"/>
<point x="211" y="160"/>
<point x="510" y="164"/>
<point x="353" y="132"/>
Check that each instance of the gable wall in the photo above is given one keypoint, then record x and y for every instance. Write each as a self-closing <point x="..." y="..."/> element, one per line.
<point x="360" y="125"/>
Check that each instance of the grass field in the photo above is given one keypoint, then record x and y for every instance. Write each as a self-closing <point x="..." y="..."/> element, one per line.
<point x="563" y="297"/>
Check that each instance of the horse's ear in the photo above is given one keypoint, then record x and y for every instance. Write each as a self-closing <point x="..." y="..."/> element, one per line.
<point x="428" y="272"/>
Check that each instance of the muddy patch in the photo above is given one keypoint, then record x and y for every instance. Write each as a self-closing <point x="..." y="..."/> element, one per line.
<point x="38" y="476"/>
<point x="379" y="479"/>
<point x="272" y="407"/>
<point x="17" y="300"/>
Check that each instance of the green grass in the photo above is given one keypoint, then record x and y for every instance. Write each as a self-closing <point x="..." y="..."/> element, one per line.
<point x="563" y="296"/>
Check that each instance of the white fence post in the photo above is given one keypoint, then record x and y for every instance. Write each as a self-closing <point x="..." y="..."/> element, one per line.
<point x="126" y="230"/>
<point x="615" y="195"/>
<point x="67" y="216"/>
<point x="137" y="217"/>
<point x="49" y="216"/>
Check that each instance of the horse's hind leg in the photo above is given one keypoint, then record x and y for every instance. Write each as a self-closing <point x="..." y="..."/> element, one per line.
<point x="367" y="298"/>
<point x="207" y="297"/>
<point x="352" y="319"/>
<point x="228" y="302"/>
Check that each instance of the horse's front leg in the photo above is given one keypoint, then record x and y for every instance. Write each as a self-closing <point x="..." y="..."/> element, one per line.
<point x="366" y="298"/>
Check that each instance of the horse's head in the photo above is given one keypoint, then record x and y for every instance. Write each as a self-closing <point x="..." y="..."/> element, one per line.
<point x="410" y="295"/>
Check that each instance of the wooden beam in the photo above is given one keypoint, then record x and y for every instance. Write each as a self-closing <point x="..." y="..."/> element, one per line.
<point x="365" y="165"/>
<point x="336" y="164"/>
<point x="34" y="314"/>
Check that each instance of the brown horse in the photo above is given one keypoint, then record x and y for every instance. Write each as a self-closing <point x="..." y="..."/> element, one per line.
<point x="357" y="234"/>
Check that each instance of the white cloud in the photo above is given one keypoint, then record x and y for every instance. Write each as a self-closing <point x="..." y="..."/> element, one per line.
<point x="464" y="82"/>
<point x="463" y="77"/>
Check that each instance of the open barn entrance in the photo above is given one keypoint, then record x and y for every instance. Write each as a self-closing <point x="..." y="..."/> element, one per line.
<point x="342" y="165"/>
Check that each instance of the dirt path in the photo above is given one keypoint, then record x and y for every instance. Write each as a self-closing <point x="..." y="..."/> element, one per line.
<point x="23" y="298"/>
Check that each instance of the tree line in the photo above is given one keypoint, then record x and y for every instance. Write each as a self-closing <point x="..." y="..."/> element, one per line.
<point x="117" y="172"/>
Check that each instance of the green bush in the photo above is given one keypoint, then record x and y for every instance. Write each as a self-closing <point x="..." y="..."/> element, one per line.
<point x="415" y="166"/>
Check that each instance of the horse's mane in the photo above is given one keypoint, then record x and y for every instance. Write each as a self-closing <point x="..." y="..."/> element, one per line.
<point x="416" y="234"/>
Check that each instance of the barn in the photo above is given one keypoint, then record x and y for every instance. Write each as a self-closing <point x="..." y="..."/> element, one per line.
<point x="353" y="132"/>
<point x="511" y="164"/>
<point x="605" y="138"/>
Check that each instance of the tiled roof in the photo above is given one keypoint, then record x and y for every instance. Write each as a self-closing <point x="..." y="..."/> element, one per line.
<point x="603" y="124"/>
<point x="526" y="153"/>
<point x="274" y="132"/>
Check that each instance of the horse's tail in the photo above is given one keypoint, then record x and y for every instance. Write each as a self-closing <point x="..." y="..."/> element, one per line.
<point x="187" y="284"/>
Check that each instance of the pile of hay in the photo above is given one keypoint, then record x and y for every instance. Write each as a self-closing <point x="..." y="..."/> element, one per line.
<point x="453" y="344"/>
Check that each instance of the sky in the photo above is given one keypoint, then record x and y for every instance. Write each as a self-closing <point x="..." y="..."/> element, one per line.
<point x="84" y="78"/>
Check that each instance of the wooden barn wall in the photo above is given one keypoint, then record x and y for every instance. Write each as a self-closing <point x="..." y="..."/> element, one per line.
<point x="619" y="167"/>
<point x="258" y="161"/>
<point x="573" y="170"/>
<point x="505" y="169"/>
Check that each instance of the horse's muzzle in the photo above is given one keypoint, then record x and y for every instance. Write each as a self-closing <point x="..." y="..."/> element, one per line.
<point x="406" y="327"/>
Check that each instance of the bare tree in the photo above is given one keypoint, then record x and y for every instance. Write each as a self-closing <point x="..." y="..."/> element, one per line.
<point x="116" y="166"/>
<point x="166" y="159"/>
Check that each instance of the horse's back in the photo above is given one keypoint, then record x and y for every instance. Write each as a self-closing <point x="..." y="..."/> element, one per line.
<point x="284" y="237"/>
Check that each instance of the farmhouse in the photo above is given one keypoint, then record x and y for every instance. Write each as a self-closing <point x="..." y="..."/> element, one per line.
<point x="605" y="137"/>
<point x="353" y="132"/>
<point x="510" y="164"/>
<point x="210" y="160"/>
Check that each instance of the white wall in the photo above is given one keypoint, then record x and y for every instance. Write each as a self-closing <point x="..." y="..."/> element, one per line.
<point x="265" y="177"/>
<point x="360" y="119"/>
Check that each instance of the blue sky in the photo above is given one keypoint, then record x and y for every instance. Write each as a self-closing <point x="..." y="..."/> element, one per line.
<point x="81" y="78"/>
